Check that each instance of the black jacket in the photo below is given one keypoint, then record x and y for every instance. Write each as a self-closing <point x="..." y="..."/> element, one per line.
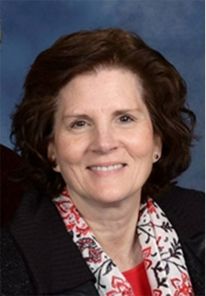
<point x="39" y="257"/>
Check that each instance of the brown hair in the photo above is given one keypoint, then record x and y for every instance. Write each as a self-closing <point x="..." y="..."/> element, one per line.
<point x="164" y="96"/>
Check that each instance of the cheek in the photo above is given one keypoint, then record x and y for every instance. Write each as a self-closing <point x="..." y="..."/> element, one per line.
<point x="141" y="144"/>
<point x="69" y="151"/>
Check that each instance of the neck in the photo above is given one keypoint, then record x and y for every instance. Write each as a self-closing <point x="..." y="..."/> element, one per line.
<point x="114" y="226"/>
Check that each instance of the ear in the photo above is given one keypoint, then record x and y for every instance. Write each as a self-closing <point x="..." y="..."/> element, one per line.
<point x="157" y="148"/>
<point x="51" y="153"/>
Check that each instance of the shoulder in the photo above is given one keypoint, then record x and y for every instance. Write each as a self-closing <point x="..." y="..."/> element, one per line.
<point x="15" y="276"/>
<point x="185" y="208"/>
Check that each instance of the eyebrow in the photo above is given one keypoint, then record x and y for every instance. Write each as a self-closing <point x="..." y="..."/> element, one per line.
<point x="119" y="112"/>
<point x="76" y="115"/>
<point x="86" y="116"/>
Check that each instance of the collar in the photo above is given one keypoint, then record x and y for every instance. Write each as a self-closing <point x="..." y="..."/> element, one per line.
<point x="162" y="253"/>
<point x="185" y="209"/>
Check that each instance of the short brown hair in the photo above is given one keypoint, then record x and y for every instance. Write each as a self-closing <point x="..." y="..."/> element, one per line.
<point x="77" y="53"/>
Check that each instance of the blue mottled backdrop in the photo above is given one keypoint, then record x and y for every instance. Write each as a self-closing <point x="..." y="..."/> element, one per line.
<point x="174" y="27"/>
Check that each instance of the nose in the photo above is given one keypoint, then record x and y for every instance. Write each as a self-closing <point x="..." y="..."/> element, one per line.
<point x="104" y="141"/>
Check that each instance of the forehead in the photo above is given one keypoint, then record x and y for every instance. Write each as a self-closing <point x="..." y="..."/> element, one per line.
<point x="106" y="88"/>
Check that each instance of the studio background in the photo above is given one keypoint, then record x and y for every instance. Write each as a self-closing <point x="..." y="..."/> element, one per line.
<point x="173" y="27"/>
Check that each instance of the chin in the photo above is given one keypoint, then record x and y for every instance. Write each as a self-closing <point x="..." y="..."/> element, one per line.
<point x="109" y="197"/>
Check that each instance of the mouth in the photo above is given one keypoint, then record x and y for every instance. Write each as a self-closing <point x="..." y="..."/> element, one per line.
<point x="106" y="167"/>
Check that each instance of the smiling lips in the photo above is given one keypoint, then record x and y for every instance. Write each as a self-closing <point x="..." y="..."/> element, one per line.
<point x="106" y="168"/>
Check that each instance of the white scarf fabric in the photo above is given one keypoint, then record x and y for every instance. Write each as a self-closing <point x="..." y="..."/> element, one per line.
<point x="161" y="249"/>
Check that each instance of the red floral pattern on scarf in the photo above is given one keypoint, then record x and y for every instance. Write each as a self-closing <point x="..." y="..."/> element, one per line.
<point x="162" y="253"/>
<point x="120" y="288"/>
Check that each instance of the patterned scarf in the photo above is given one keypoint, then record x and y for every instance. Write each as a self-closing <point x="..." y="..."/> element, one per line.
<point x="161" y="249"/>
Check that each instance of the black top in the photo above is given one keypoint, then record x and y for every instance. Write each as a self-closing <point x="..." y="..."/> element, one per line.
<point x="40" y="258"/>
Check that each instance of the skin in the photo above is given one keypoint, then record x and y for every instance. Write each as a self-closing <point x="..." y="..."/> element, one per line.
<point x="104" y="146"/>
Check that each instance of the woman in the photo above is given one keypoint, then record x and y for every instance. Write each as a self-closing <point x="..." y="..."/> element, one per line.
<point x="103" y="130"/>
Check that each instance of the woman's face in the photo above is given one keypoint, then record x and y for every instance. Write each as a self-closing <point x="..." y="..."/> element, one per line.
<point x="104" y="144"/>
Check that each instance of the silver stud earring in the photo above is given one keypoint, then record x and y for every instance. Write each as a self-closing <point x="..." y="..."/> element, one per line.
<point x="156" y="157"/>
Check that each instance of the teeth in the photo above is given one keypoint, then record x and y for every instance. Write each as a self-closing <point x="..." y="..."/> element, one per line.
<point x="107" y="168"/>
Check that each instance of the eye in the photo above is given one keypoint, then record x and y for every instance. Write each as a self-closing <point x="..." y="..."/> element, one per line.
<point x="126" y="118"/>
<point x="78" y="124"/>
